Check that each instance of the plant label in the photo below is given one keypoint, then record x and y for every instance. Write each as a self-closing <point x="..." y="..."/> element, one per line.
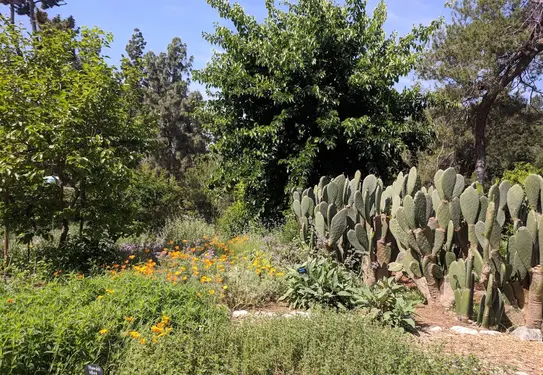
<point x="93" y="370"/>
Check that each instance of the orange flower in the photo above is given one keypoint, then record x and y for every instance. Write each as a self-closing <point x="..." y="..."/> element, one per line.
<point x="143" y="341"/>
<point x="154" y="340"/>
<point x="157" y="329"/>
<point x="128" y="318"/>
<point x="171" y="242"/>
<point x="79" y="276"/>
<point x="131" y="257"/>
<point x="10" y="300"/>
<point x="184" y="241"/>
<point x="147" y="251"/>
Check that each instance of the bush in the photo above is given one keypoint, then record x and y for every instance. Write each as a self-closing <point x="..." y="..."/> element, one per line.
<point x="155" y="198"/>
<point x="321" y="282"/>
<point x="520" y="172"/>
<point x="324" y="344"/>
<point x="78" y="254"/>
<point x="388" y="303"/>
<point x="186" y="228"/>
<point x="59" y="327"/>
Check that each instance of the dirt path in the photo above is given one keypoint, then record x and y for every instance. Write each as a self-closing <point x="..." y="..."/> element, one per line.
<point x="500" y="351"/>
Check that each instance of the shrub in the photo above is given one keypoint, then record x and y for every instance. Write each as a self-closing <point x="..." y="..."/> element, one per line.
<point x="321" y="282"/>
<point x="155" y="198"/>
<point x="324" y="344"/>
<point x="79" y="254"/>
<point x="186" y="228"/>
<point x="520" y="172"/>
<point x="388" y="303"/>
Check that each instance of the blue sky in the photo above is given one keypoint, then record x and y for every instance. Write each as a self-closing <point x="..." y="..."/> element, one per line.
<point x="187" y="19"/>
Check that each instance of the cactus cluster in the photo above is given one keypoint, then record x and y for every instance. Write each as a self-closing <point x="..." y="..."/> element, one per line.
<point x="447" y="235"/>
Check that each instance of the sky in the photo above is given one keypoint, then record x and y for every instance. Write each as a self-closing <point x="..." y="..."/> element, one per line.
<point x="187" y="19"/>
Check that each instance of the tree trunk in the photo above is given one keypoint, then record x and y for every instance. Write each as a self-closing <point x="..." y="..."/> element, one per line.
<point x="12" y="13"/>
<point x="534" y="316"/>
<point x="480" y="117"/>
<point x="6" y="227"/>
<point x="32" y="15"/>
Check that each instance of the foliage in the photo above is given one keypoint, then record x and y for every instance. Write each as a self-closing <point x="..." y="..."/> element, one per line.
<point x="73" y="320"/>
<point x="387" y="302"/>
<point x="294" y="346"/>
<point x="166" y="94"/>
<point x="481" y="68"/>
<point x="237" y="218"/>
<point x="155" y="198"/>
<point x="69" y="125"/>
<point x="309" y="92"/>
<point x="186" y="228"/>
<point x="199" y="196"/>
<point x="321" y="282"/>
<point x="518" y="174"/>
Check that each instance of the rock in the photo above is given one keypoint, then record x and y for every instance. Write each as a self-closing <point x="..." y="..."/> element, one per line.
<point x="293" y="314"/>
<point x="265" y="313"/>
<point x="435" y="329"/>
<point x="528" y="334"/>
<point x="239" y="313"/>
<point x="521" y="373"/>
<point x="464" y="330"/>
<point x="491" y="333"/>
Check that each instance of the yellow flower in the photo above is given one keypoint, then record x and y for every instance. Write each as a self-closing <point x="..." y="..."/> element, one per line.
<point x="166" y="319"/>
<point x="131" y="257"/>
<point x="99" y="297"/>
<point x="143" y="341"/>
<point x="212" y="292"/>
<point x="110" y="291"/>
<point x="184" y="278"/>
<point x="154" y="340"/>
<point x="134" y="334"/>
<point x="103" y="331"/>
<point x="225" y="287"/>
<point x="157" y="329"/>
<point x="128" y="318"/>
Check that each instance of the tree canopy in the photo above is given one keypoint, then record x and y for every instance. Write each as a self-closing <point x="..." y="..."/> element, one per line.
<point x="490" y="50"/>
<point x="309" y="92"/>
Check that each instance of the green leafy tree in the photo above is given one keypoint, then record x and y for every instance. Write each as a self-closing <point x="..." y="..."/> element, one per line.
<point x="66" y="121"/>
<point x="488" y="50"/>
<point x="310" y="92"/>
<point x="31" y="8"/>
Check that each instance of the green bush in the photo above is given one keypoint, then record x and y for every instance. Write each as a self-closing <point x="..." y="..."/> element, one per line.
<point x="235" y="220"/>
<point x="388" y="303"/>
<point x="78" y="254"/>
<point x="323" y="344"/>
<point x="520" y="172"/>
<point x="186" y="228"/>
<point x="155" y="198"/>
<point x="321" y="282"/>
<point x="59" y="327"/>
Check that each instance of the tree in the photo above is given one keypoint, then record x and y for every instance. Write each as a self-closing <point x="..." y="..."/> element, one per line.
<point x="513" y="134"/>
<point x="167" y="94"/>
<point x="13" y="4"/>
<point x="164" y="91"/>
<point x="310" y="92"/>
<point x="29" y="8"/>
<point x="490" y="49"/>
<point x="66" y="119"/>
